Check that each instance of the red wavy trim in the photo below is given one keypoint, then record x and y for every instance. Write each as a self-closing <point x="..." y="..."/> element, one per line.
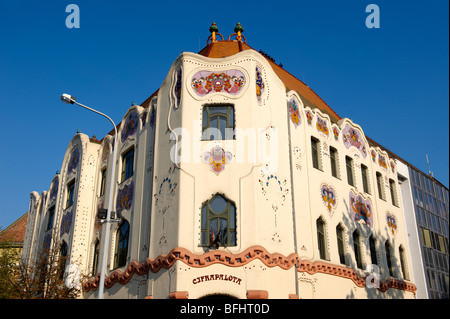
<point x="238" y="260"/>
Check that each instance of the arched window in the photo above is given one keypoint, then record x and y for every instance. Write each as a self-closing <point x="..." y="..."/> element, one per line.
<point x="321" y="238"/>
<point x="96" y="257"/>
<point x="388" y="248"/>
<point x="357" y="247"/>
<point x="341" y="243"/>
<point x="373" y="250"/>
<point x="121" y="252"/>
<point x="62" y="259"/>
<point x="218" y="222"/>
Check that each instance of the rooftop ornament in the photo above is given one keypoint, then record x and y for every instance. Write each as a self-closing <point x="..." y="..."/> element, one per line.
<point x="214" y="32"/>
<point x="238" y="29"/>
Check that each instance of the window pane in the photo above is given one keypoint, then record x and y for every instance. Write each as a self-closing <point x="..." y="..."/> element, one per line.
<point x="218" y="204"/>
<point x="222" y="126"/>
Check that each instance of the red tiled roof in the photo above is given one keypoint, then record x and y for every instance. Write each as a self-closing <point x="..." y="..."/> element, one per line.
<point x="221" y="49"/>
<point x="15" y="233"/>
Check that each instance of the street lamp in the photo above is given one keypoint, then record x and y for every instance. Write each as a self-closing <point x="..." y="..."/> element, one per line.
<point x="66" y="98"/>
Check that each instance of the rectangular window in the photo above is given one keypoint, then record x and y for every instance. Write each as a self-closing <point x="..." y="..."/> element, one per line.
<point x="70" y="191"/>
<point x="364" y="174"/>
<point x="349" y="165"/>
<point x="380" y="186"/>
<point x="127" y="164"/>
<point x="393" y="190"/>
<point x="334" y="162"/>
<point x="315" y="150"/>
<point x="102" y="182"/>
<point x="218" y="122"/>
<point x="51" y="217"/>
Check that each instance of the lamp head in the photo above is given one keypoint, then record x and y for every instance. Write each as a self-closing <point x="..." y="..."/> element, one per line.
<point x="69" y="99"/>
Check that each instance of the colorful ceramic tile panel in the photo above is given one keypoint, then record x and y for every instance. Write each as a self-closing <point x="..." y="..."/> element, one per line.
<point x="259" y="85"/>
<point x="177" y="88"/>
<point x="328" y="195"/>
<point x="206" y="82"/>
<point x="321" y="125"/>
<point x="217" y="159"/>
<point x="361" y="208"/>
<point x="54" y="189"/>
<point x="309" y="117"/>
<point x="130" y="126"/>
<point x="391" y="222"/>
<point x="66" y="222"/>
<point x="352" y="137"/>
<point x="294" y="111"/>
<point x="73" y="161"/>
<point x="125" y="197"/>
<point x="336" y="133"/>
<point x="382" y="161"/>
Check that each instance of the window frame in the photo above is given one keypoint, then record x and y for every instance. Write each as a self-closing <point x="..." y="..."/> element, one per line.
<point x="228" y="214"/>
<point x="365" y="178"/>
<point x="70" y="193"/>
<point x="340" y="236"/>
<point x="208" y="115"/>
<point x="121" y="253"/>
<point x="102" y="182"/>
<point x="349" y="168"/>
<point x="322" y="238"/>
<point x="127" y="164"/>
<point x="334" y="162"/>
<point x="315" y="153"/>
<point x="357" y="249"/>
<point x="380" y="186"/>
<point x="393" y="190"/>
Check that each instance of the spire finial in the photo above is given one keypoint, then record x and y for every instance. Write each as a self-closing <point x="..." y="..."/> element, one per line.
<point x="214" y="32"/>
<point x="213" y="29"/>
<point x="238" y="29"/>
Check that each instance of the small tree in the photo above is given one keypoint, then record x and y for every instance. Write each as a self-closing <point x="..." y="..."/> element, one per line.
<point x="44" y="278"/>
<point x="9" y="259"/>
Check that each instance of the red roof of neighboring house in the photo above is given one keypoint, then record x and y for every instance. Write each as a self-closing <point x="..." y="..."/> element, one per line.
<point x="15" y="233"/>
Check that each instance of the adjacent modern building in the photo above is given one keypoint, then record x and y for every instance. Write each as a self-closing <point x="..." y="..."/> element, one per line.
<point x="426" y="209"/>
<point x="235" y="179"/>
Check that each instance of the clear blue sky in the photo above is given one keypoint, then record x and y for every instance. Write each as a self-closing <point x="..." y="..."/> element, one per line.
<point x="393" y="81"/>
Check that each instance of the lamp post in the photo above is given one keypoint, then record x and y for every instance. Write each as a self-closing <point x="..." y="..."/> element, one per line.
<point x="66" y="98"/>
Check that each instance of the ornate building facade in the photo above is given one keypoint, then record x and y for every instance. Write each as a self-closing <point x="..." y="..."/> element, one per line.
<point x="234" y="179"/>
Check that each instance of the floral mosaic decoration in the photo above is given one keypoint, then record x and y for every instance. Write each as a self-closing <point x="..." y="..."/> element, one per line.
<point x="382" y="161"/>
<point x="125" y="197"/>
<point x="391" y="222"/>
<point x="328" y="195"/>
<point x="294" y="111"/>
<point x="309" y="117"/>
<point x="66" y="222"/>
<point x="54" y="189"/>
<point x="177" y="88"/>
<point x="352" y="137"/>
<point x="206" y="82"/>
<point x="259" y="85"/>
<point x="336" y="133"/>
<point x="361" y="209"/>
<point x="73" y="161"/>
<point x="130" y="126"/>
<point x="321" y="125"/>
<point x="217" y="159"/>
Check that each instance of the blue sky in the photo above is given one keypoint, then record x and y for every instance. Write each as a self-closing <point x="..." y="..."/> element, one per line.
<point x="393" y="81"/>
